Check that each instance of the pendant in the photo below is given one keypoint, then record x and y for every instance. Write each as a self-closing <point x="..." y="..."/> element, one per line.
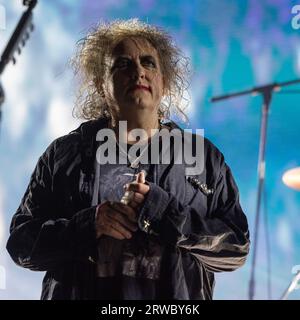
<point x="134" y="165"/>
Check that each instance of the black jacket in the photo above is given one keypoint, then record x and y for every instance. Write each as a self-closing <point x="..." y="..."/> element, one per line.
<point x="200" y="232"/>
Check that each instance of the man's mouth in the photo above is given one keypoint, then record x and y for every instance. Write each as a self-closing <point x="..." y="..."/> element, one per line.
<point x="140" y="87"/>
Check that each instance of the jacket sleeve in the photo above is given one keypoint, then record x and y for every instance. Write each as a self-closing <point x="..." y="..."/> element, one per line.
<point x="40" y="237"/>
<point x="218" y="237"/>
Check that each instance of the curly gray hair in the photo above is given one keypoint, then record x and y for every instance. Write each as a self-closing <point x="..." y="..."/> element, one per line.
<point x="89" y="64"/>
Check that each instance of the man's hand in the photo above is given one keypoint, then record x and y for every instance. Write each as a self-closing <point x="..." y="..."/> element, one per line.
<point x="116" y="220"/>
<point x="136" y="191"/>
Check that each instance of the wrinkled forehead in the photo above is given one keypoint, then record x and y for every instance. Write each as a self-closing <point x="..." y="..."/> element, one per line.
<point x="131" y="46"/>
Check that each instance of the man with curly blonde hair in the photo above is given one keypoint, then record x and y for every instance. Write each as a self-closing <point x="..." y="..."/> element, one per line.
<point x="92" y="59"/>
<point x="129" y="229"/>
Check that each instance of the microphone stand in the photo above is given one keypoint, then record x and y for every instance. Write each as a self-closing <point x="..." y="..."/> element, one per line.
<point x="2" y="98"/>
<point x="17" y="40"/>
<point x="266" y="91"/>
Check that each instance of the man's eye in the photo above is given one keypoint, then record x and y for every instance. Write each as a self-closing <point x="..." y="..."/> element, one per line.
<point x="149" y="62"/>
<point x="123" y="63"/>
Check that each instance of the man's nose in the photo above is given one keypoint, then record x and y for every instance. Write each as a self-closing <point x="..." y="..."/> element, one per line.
<point x="138" y="72"/>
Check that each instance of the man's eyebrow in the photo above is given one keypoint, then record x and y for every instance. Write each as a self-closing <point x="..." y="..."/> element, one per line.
<point x="129" y="57"/>
<point x="122" y="56"/>
<point x="148" y="56"/>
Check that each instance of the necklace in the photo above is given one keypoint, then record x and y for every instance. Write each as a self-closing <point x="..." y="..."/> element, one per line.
<point x="134" y="162"/>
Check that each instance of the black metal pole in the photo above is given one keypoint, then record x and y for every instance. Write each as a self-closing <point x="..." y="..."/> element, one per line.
<point x="2" y="98"/>
<point x="261" y="172"/>
<point x="17" y="40"/>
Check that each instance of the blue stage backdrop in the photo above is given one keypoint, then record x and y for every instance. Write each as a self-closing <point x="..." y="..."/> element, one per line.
<point x="233" y="45"/>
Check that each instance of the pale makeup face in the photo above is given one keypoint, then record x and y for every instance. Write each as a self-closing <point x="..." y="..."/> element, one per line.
<point x="134" y="81"/>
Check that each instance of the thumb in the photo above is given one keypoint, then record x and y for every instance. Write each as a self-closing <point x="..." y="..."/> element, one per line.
<point x="140" y="178"/>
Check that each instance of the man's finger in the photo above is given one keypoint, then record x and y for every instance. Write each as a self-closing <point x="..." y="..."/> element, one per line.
<point x="122" y="219"/>
<point x="134" y="204"/>
<point x="116" y="226"/>
<point x="110" y="231"/>
<point x="138" y="187"/>
<point x="125" y="209"/>
<point x="137" y="197"/>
